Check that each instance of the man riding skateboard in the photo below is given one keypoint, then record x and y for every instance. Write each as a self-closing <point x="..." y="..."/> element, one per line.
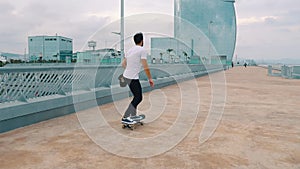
<point x="134" y="59"/>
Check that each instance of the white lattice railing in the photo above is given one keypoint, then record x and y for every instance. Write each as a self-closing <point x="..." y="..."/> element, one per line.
<point x="29" y="82"/>
<point x="26" y="83"/>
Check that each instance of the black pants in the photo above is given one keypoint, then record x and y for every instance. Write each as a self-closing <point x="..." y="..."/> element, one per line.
<point x="136" y="89"/>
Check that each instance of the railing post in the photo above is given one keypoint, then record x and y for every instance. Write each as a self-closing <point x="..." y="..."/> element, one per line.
<point x="270" y="70"/>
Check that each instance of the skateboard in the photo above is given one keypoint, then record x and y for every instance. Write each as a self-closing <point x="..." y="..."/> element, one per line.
<point x="137" y="119"/>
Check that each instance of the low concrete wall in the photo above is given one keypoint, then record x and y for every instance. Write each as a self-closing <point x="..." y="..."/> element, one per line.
<point x="289" y="72"/>
<point x="271" y="72"/>
<point x="102" y="88"/>
<point x="296" y="72"/>
<point x="286" y="71"/>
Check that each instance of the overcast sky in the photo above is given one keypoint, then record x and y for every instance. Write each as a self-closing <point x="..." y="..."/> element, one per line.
<point x="266" y="28"/>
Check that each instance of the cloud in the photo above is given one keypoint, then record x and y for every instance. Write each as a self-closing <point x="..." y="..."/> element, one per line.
<point x="254" y="20"/>
<point x="44" y="18"/>
<point x="6" y="8"/>
<point x="268" y="28"/>
<point x="76" y="19"/>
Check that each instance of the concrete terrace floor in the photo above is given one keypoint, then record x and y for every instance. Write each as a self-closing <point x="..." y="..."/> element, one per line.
<point x="260" y="128"/>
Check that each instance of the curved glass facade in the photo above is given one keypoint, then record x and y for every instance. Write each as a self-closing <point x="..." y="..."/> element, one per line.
<point x="216" y="19"/>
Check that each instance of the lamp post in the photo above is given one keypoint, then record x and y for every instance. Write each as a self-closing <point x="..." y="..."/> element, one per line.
<point x="121" y="33"/>
<point x="122" y="28"/>
<point x="209" y="37"/>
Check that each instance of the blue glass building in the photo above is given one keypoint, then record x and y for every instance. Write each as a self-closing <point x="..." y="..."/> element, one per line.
<point x="50" y="48"/>
<point x="207" y="26"/>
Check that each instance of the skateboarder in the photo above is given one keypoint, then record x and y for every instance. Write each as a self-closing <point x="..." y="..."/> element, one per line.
<point x="134" y="59"/>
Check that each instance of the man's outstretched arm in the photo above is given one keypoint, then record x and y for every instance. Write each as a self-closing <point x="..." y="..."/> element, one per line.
<point x="124" y="63"/>
<point x="147" y="71"/>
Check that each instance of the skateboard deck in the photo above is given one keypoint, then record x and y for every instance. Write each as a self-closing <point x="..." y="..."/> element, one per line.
<point x="138" y="121"/>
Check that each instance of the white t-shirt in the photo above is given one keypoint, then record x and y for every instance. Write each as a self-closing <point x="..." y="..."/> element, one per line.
<point x="133" y="58"/>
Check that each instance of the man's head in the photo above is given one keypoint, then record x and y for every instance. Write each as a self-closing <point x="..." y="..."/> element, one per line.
<point x="138" y="39"/>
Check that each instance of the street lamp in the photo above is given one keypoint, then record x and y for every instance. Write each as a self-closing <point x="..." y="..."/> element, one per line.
<point x="210" y="41"/>
<point x="121" y="34"/>
<point x="122" y="28"/>
<point x="117" y="33"/>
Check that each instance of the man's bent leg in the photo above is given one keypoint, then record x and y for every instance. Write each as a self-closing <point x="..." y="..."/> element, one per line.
<point x="131" y="111"/>
<point x="136" y="89"/>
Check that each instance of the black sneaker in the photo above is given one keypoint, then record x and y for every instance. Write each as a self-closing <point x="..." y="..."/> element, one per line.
<point x="128" y="120"/>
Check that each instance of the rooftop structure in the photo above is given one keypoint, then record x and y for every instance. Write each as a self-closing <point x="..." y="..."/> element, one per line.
<point x="50" y="48"/>
<point x="99" y="56"/>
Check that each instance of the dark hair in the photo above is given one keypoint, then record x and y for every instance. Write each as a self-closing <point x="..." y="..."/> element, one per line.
<point x="138" y="38"/>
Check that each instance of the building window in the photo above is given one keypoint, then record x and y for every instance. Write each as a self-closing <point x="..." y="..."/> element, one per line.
<point x="50" y="39"/>
<point x="86" y="60"/>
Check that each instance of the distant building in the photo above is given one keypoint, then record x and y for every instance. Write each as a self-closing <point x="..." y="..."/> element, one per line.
<point x="11" y="56"/>
<point x="204" y="32"/>
<point x="3" y="59"/>
<point x="250" y="62"/>
<point x="100" y="56"/>
<point x="50" y="48"/>
<point x="208" y="27"/>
